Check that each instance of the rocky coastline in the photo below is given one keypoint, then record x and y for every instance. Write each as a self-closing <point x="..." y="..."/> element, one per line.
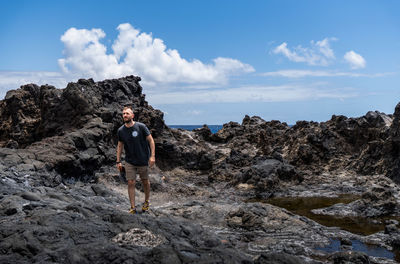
<point x="61" y="200"/>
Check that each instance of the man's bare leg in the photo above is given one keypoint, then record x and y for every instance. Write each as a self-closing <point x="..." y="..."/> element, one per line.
<point x="131" y="192"/>
<point x="146" y="189"/>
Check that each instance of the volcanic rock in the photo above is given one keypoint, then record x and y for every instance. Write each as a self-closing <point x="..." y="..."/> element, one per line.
<point x="60" y="200"/>
<point x="71" y="130"/>
<point x="277" y="258"/>
<point x="350" y="257"/>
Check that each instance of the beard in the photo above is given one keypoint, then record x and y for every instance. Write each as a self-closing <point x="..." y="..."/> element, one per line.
<point x="128" y="120"/>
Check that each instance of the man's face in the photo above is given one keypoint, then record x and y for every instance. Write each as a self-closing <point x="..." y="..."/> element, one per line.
<point x="127" y="115"/>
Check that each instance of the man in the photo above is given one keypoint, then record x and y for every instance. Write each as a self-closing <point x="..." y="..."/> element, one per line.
<point x="135" y="138"/>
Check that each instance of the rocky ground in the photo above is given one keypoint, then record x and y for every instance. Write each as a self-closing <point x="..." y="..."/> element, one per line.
<point x="61" y="199"/>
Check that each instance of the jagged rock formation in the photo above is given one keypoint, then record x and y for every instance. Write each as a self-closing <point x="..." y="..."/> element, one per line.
<point x="366" y="145"/>
<point x="387" y="153"/>
<point x="70" y="130"/>
<point x="47" y="137"/>
<point x="77" y="125"/>
<point x="50" y="137"/>
<point x="32" y="113"/>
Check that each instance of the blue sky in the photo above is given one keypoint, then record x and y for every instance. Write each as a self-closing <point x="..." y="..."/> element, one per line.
<point x="211" y="62"/>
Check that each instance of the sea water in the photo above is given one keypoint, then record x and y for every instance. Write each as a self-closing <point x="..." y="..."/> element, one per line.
<point x="213" y="128"/>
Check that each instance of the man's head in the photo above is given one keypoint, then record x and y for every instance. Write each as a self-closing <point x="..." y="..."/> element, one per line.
<point x="127" y="114"/>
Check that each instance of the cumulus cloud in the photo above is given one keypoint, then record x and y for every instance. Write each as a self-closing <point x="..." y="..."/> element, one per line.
<point x="141" y="54"/>
<point x="283" y="93"/>
<point x="355" y="60"/>
<point x="309" y="73"/>
<point x="319" y="53"/>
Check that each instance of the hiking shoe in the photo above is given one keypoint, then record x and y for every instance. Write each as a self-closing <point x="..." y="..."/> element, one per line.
<point x="145" y="206"/>
<point x="132" y="210"/>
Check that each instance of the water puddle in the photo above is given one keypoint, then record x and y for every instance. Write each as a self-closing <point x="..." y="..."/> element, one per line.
<point x="304" y="205"/>
<point x="370" y="250"/>
<point x="357" y="225"/>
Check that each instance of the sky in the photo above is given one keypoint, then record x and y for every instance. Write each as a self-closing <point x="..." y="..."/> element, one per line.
<point x="211" y="62"/>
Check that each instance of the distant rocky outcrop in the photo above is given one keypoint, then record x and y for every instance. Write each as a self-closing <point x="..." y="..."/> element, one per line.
<point x="366" y="145"/>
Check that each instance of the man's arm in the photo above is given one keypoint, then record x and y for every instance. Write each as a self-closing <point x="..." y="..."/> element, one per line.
<point x="152" y="158"/>
<point x="120" y="147"/>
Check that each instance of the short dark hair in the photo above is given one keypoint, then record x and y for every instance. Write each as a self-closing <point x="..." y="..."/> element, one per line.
<point x="130" y="106"/>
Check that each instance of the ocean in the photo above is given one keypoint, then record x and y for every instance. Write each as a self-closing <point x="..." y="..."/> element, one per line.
<point x="213" y="128"/>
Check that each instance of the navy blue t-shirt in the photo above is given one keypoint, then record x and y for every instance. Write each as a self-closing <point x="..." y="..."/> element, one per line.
<point x="137" y="150"/>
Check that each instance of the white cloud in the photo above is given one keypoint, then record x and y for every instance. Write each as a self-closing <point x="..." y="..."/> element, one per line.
<point x="139" y="54"/>
<point x="11" y="80"/>
<point x="194" y="112"/>
<point x="284" y="93"/>
<point x="86" y="56"/>
<point x="319" y="53"/>
<point x="309" y="73"/>
<point x="355" y="60"/>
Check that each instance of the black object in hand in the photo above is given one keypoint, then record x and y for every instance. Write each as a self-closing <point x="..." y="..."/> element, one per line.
<point x="122" y="175"/>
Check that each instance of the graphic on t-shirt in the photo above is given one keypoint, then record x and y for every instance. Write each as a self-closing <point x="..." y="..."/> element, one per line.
<point x="134" y="134"/>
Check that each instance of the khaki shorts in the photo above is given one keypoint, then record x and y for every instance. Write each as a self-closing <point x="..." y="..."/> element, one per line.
<point x="131" y="171"/>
